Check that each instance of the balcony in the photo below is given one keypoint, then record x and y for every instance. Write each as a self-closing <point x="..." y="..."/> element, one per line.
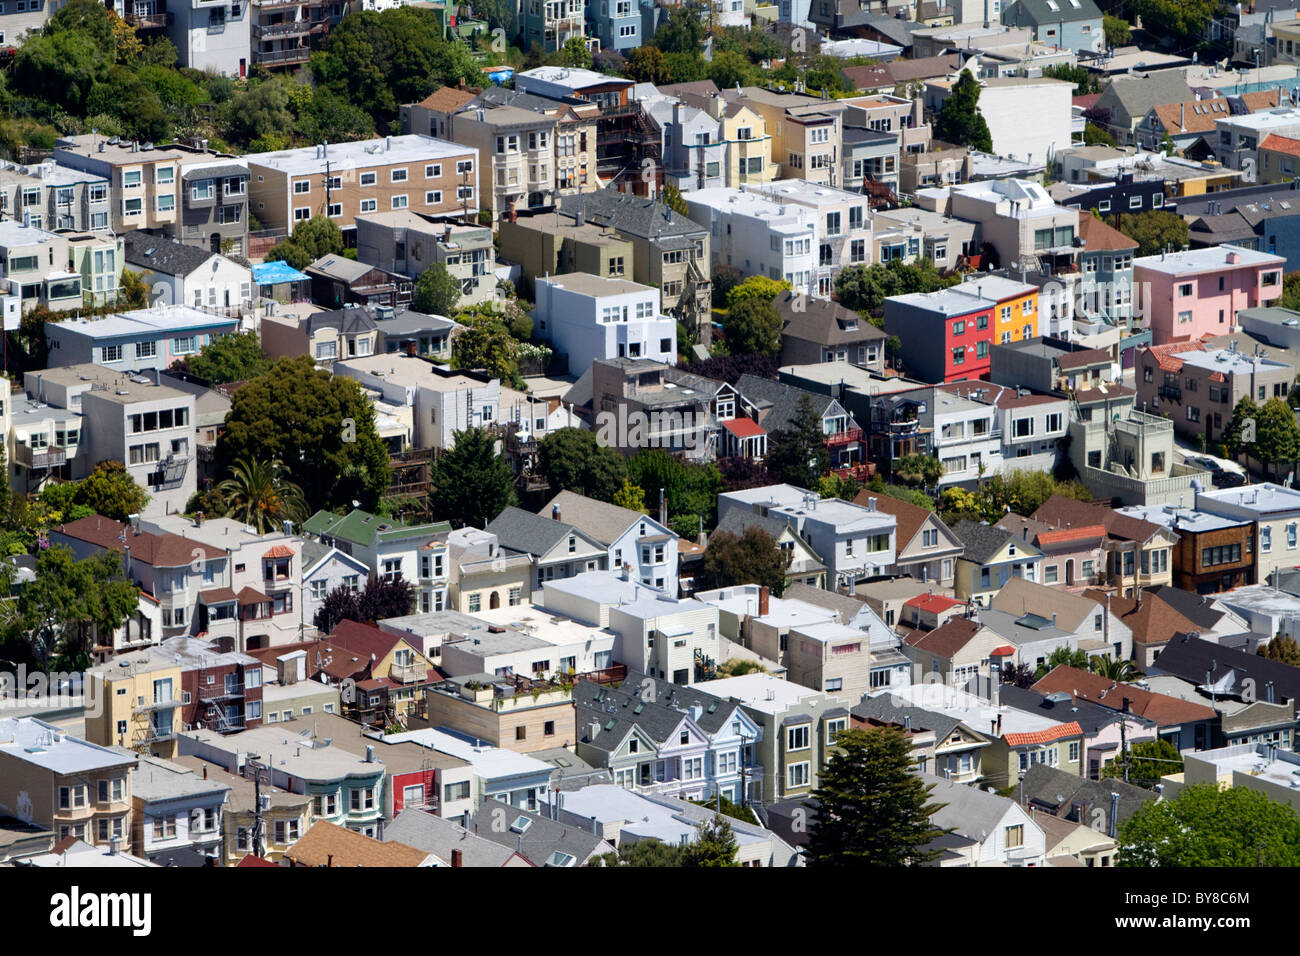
<point x="282" y="57"/>
<point x="154" y="20"/>
<point x="412" y="673"/>
<point x="292" y="28"/>
<point x="221" y="690"/>
<point x="157" y="705"/>
<point x="846" y="437"/>
<point x="43" y="458"/>
<point x="1171" y="391"/>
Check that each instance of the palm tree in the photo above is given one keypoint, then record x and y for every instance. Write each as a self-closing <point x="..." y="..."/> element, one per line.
<point x="1121" y="671"/>
<point x="257" y="494"/>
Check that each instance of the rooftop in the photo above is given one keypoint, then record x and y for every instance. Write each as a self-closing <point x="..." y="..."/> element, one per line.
<point x="1212" y="259"/>
<point x="389" y="151"/>
<point x="157" y="320"/>
<point x="488" y="761"/>
<point x="51" y="748"/>
<point x="762" y="692"/>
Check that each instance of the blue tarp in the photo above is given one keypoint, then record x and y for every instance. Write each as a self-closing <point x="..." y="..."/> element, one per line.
<point x="273" y="273"/>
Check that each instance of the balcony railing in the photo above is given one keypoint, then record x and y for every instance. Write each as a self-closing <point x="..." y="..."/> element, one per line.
<point x="408" y="673"/>
<point x="44" y="458"/>
<point x="846" y="437"/>
<point x="220" y="690"/>
<point x="1171" y="391"/>
<point x="148" y="21"/>
<point x="274" y="57"/>
<point x="158" y="705"/>
<point x="292" y="28"/>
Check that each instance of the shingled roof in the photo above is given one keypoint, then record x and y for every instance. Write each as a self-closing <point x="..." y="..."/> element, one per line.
<point x="982" y="541"/>
<point x="1164" y="710"/>
<point x="782" y="401"/>
<point x="822" y="321"/>
<point x="161" y="255"/>
<point x="634" y="215"/>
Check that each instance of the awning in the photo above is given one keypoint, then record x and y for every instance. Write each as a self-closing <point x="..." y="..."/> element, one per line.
<point x="218" y="596"/>
<point x="252" y="596"/>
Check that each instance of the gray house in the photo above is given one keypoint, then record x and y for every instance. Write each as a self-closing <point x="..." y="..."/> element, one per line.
<point x="1070" y="24"/>
<point x="819" y="330"/>
<point x="1130" y="98"/>
<point x="558" y="549"/>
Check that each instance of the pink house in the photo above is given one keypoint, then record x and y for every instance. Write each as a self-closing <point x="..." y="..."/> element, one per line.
<point x="1184" y="296"/>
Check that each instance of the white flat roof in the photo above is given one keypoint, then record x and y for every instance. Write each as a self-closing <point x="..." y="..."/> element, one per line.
<point x="762" y="692"/>
<point x="1209" y="259"/>
<point x="387" y="151"/>
<point x="975" y="712"/>
<point x="161" y="319"/>
<point x="1263" y="498"/>
<point x="487" y="761"/>
<point x="49" y="747"/>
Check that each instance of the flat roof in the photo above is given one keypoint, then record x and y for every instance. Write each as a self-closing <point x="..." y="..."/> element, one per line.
<point x="781" y="612"/>
<point x="487" y="761"/>
<point x="47" y="746"/>
<point x="408" y="371"/>
<point x="388" y="151"/>
<point x="285" y="748"/>
<point x="1209" y="259"/>
<point x="1177" y="518"/>
<point x="1263" y="498"/>
<point x="541" y="626"/>
<point x="159" y="320"/>
<point x="586" y="284"/>
<point x="761" y="692"/>
<point x="975" y="712"/>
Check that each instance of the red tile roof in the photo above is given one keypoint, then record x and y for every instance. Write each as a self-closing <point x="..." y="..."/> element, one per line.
<point x="279" y="551"/>
<point x="1072" y="729"/>
<point x="1084" y="685"/>
<point x="744" y="427"/>
<point x="1006" y="650"/>
<point x="1281" y="144"/>
<point x="1166" y="356"/>
<point x="1085" y="533"/>
<point x="155" y="550"/>
<point x="933" y="602"/>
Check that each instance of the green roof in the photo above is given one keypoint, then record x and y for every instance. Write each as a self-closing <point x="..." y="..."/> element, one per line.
<point x="362" y="527"/>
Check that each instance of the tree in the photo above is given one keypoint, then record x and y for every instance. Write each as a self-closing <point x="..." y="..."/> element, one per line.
<point x="873" y="810"/>
<point x="1282" y="649"/>
<point x="110" y="490"/>
<point x="59" y="614"/>
<point x="488" y="346"/>
<point x="759" y="288"/>
<point x="752" y="326"/>
<point x="1277" y="439"/>
<point x="959" y="121"/>
<point x="1116" y="669"/>
<point x="751" y="558"/>
<point x="576" y="54"/>
<point x="729" y="69"/>
<point x="379" y="600"/>
<point x="1063" y="657"/>
<point x="318" y="236"/>
<point x="642" y="852"/>
<point x="321" y="426"/>
<point x="1022" y="675"/>
<point x="689" y="490"/>
<point x="1118" y="32"/>
<point x="1085" y="82"/>
<point x="571" y="459"/>
<point x="258" y="494"/>
<point x="681" y="31"/>
<point x="730" y="368"/>
<point x="1208" y="826"/>
<point x="631" y="497"/>
<point x="472" y="484"/>
<point x="228" y="358"/>
<point x="1094" y="135"/>
<point x="714" y="845"/>
<point x="865" y="288"/>
<point x="1180" y="21"/>
<point x="1153" y="231"/>
<point x="646" y="64"/>
<point x="798" y="454"/>
<point x="916" y="470"/>
<point x="132" y="293"/>
<point x="436" y="291"/>
<point x="671" y="197"/>
<point x="735" y="667"/>
<point x="1147" y="761"/>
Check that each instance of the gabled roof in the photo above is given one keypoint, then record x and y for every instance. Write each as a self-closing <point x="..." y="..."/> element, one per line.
<point x="446" y="99"/>
<point x="933" y="603"/>
<point x="365" y="640"/>
<point x="910" y="517"/>
<point x="983" y="541"/>
<point x="327" y="844"/>
<point x="782" y="400"/>
<point x="1063" y="513"/>
<point x="1194" y="659"/>
<point x="1058" y="11"/>
<point x="887" y="709"/>
<point x="846" y="606"/>
<point x="1058" y="791"/>
<point x="1164" y="710"/>
<point x="164" y="256"/>
<point x="1154" y="621"/>
<point x="541" y="838"/>
<point x="430" y="833"/>
<point x="530" y="533"/>
<point x="822" y="321"/>
<point x="1277" y="143"/>
<point x="156" y="550"/>
<point x="1019" y="597"/>
<point x="599" y="520"/>
<point x="1138" y="93"/>
<point x="633" y="215"/>
<point x="947" y="639"/>
<point x="1097" y="235"/>
<point x="968" y="811"/>
<point x="1090" y="717"/>
<point x="736" y="520"/>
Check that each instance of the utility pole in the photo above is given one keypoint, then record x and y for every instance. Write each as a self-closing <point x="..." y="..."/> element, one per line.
<point x="1123" y="737"/>
<point x="329" y="191"/>
<point x="257" y="803"/>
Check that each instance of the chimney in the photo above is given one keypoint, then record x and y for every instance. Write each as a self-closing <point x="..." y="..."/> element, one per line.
<point x="198" y="520"/>
<point x="627" y="571"/>
<point x="457" y="859"/>
<point x="871" y="504"/>
<point x="555" y="512"/>
<point x="205" y="771"/>
<point x="370" y="753"/>
<point x="764" y="596"/>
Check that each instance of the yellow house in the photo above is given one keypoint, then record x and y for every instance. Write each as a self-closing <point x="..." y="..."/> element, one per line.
<point x="992" y="558"/>
<point x="749" y="147"/>
<point x="141" y="702"/>
<point x="391" y="656"/>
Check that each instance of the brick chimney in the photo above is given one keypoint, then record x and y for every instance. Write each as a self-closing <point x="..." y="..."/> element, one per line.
<point x="457" y="859"/>
<point x="764" y="599"/>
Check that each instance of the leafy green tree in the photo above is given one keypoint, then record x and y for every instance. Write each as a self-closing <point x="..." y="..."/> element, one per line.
<point x="229" y="358"/>
<point x="646" y="64"/>
<point x="1118" y="32"/>
<point x="258" y="494"/>
<point x="331" y="118"/>
<point x="318" y="236"/>
<point x="916" y="470"/>
<point x="714" y="845"/>
<point x="321" y="426"/>
<point x="751" y="558"/>
<point x="59" y="614"/>
<point x="1147" y="761"/>
<point x="1208" y="826"/>
<point x="1181" y="21"/>
<point x="681" y="31"/>
<point x="1094" y="135"/>
<point x="689" y="490"/>
<point x="1277" y="439"/>
<point x="472" y="484"/>
<point x="735" y="667"/>
<point x="1282" y="649"/>
<point x="571" y="459"/>
<point x="752" y="326"/>
<point x="262" y="109"/>
<point x="1153" y="231"/>
<point x="865" y="288"/>
<point x="132" y="293"/>
<point x="436" y="291"/>
<point x="685" y="67"/>
<point x="642" y="853"/>
<point x="728" y="70"/>
<point x="110" y="490"/>
<point x="60" y="67"/>
<point x="489" y="346"/>
<point x="1085" y="81"/>
<point x="872" y="809"/>
<point x="1064" y="657"/>
<point x="959" y="121"/>
<point x="726" y="807"/>
<point x="631" y="497"/>
<point x="759" y="288"/>
<point x="798" y="455"/>
<point x="576" y="54"/>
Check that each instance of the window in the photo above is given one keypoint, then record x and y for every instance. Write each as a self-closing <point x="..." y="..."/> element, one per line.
<point x="1015" y="836"/>
<point x="400" y="202"/>
<point x="369" y="179"/>
<point x="796" y="775"/>
<point x="433" y="171"/>
<point x="206" y="189"/>
<point x="1074" y="751"/>
<point x="397" y="175"/>
<point x="796" y="738"/>
<point x="166" y="203"/>
<point x="302" y="214"/>
<point x="433" y="197"/>
<point x="111" y="353"/>
<point x="334" y="210"/>
<point x="286" y="831"/>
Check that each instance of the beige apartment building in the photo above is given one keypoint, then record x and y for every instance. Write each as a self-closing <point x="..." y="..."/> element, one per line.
<point x="141" y="706"/>
<point x="66" y="784"/>
<point x="345" y="180"/>
<point x="511" y="712"/>
<point x="805" y="130"/>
